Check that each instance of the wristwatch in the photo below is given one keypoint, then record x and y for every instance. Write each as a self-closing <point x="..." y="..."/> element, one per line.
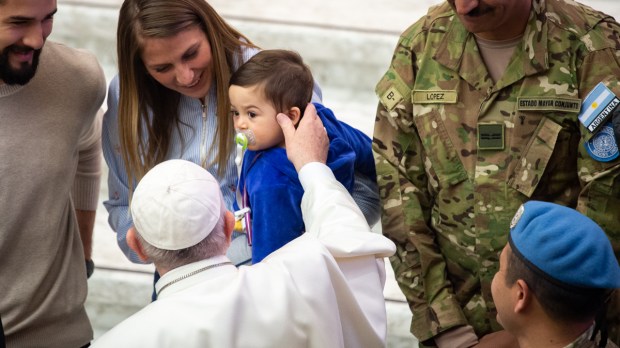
<point x="90" y="268"/>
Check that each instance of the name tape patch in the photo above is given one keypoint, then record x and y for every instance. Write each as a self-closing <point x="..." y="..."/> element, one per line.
<point x="597" y="107"/>
<point x="548" y="104"/>
<point x="434" y="97"/>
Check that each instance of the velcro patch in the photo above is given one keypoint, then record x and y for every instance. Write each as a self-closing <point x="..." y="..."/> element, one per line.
<point x="391" y="98"/>
<point x="490" y="136"/>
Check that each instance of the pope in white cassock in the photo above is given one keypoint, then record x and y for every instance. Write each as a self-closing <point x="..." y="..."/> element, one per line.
<point x="324" y="289"/>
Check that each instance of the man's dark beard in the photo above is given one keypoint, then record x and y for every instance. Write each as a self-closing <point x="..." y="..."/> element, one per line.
<point x="24" y="73"/>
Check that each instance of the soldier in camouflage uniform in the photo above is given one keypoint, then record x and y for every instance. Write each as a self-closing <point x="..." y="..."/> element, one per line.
<point x="458" y="152"/>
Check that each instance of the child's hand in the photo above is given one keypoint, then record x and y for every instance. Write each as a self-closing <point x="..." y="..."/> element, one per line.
<point x="309" y="142"/>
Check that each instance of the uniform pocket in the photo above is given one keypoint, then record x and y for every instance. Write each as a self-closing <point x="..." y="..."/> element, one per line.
<point x="444" y="158"/>
<point x="531" y="167"/>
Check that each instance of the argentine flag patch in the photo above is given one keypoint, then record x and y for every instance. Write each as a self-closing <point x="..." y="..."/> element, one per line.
<point x="597" y="107"/>
<point x="596" y="111"/>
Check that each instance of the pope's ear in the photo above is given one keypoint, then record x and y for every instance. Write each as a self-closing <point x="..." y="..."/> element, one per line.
<point x="229" y="225"/>
<point x="134" y="244"/>
<point x="295" y="115"/>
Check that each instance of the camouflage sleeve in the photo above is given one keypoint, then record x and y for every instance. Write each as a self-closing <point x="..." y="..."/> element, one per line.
<point x="600" y="195"/>
<point x="406" y="203"/>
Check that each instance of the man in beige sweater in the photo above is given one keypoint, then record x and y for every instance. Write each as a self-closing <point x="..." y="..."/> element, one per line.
<point x="49" y="178"/>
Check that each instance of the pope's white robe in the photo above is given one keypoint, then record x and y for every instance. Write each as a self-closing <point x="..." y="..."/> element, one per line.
<point x="324" y="289"/>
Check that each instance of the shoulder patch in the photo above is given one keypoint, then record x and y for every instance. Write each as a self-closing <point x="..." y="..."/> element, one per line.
<point x="598" y="107"/>
<point x="602" y="146"/>
<point x="392" y="90"/>
<point x="391" y="98"/>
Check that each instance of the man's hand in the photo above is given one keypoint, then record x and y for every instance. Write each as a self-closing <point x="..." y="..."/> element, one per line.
<point x="309" y="142"/>
<point x="86" y="224"/>
<point x="457" y="337"/>
<point x="90" y="268"/>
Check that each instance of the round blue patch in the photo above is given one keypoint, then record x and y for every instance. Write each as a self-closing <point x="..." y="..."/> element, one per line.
<point x="602" y="147"/>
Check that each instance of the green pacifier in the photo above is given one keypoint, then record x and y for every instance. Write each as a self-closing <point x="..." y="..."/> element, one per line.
<point x="241" y="140"/>
<point x="242" y="144"/>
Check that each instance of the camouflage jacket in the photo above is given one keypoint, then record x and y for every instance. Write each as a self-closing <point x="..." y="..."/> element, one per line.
<point x="446" y="201"/>
<point x="585" y="341"/>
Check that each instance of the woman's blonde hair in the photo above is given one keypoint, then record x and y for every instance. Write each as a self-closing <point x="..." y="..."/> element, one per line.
<point x="141" y="94"/>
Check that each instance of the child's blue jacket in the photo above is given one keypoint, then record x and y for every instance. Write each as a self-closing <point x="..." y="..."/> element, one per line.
<point x="270" y="183"/>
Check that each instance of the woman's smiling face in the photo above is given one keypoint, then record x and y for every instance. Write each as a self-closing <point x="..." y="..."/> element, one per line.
<point x="182" y="62"/>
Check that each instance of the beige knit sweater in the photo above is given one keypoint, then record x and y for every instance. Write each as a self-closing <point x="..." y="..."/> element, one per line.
<point x="49" y="151"/>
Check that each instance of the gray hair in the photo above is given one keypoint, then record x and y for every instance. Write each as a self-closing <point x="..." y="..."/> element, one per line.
<point x="213" y="245"/>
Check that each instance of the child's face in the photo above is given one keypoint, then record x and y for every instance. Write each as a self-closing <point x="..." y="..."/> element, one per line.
<point x="255" y="116"/>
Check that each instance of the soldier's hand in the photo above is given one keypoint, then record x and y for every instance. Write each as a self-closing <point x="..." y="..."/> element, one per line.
<point x="457" y="337"/>
<point x="615" y="122"/>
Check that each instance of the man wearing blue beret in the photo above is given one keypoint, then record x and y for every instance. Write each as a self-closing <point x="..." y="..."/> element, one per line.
<point x="555" y="274"/>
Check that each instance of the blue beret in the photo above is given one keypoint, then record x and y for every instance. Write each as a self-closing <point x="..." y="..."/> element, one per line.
<point x="565" y="245"/>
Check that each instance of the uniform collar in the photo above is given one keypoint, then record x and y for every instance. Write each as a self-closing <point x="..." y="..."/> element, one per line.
<point x="532" y="59"/>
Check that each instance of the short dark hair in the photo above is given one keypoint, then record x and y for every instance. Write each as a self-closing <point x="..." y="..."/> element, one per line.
<point x="562" y="302"/>
<point x="286" y="81"/>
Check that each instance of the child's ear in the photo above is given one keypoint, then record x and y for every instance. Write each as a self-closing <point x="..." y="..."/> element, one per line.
<point x="295" y="115"/>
